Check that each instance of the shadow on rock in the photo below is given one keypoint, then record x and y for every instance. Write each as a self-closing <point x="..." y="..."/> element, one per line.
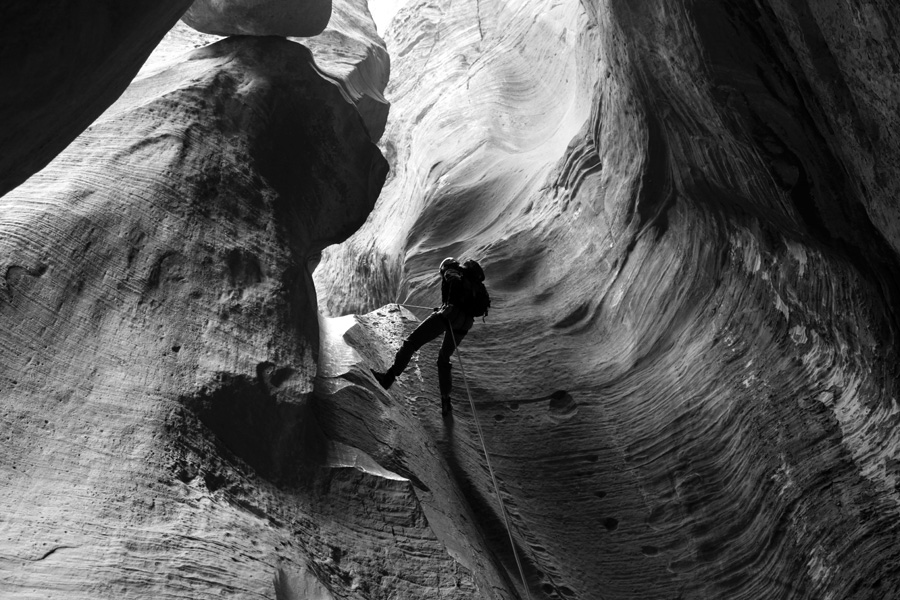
<point x="277" y="437"/>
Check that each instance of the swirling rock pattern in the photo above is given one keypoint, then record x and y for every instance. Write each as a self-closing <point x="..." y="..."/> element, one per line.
<point x="63" y="63"/>
<point x="158" y="346"/>
<point x="259" y="17"/>
<point x="688" y="380"/>
<point x="349" y="52"/>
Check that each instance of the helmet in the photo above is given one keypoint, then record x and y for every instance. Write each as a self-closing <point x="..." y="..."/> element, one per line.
<point x="449" y="263"/>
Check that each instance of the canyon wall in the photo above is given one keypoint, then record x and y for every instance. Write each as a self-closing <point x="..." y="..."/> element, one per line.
<point x="688" y="379"/>
<point x="63" y="63"/>
<point x="160" y="347"/>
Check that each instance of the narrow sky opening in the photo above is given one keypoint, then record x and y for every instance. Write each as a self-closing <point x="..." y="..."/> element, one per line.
<point x="383" y="11"/>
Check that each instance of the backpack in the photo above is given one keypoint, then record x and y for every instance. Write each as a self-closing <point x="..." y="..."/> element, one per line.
<point x="477" y="301"/>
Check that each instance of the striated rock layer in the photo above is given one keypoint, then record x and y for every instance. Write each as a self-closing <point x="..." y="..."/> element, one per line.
<point x="159" y="348"/>
<point x="63" y="63"/>
<point x="688" y="381"/>
<point x="349" y="52"/>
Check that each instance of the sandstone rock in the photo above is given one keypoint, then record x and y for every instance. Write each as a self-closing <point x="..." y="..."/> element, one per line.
<point x="178" y="42"/>
<point x="449" y="90"/>
<point x="159" y="345"/>
<point x="349" y="52"/>
<point x="259" y="17"/>
<point x="63" y="63"/>
<point x="687" y="381"/>
<point x="846" y="55"/>
<point x="405" y="433"/>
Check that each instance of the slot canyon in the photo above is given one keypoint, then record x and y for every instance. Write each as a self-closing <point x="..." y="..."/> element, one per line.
<point x="218" y="218"/>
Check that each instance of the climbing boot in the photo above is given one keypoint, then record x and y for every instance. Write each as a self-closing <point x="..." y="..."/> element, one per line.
<point x="385" y="379"/>
<point x="446" y="407"/>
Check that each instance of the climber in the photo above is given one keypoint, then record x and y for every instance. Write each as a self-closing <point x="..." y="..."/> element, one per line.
<point x="463" y="298"/>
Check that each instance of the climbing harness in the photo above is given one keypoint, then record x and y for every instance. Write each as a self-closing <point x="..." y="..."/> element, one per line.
<point x="487" y="458"/>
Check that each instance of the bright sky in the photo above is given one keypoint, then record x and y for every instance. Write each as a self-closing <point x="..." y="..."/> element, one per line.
<point x="383" y="11"/>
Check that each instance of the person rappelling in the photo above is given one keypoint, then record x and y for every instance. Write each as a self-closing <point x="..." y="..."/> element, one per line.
<point x="463" y="297"/>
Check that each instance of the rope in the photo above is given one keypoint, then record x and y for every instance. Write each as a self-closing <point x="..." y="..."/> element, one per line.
<point x="487" y="459"/>
<point x="414" y="306"/>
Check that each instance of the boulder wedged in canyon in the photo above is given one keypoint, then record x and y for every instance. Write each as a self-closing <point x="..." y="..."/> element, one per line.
<point x="159" y="344"/>
<point x="350" y="52"/>
<point x="283" y="18"/>
<point x="63" y="63"/>
<point x="688" y="378"/>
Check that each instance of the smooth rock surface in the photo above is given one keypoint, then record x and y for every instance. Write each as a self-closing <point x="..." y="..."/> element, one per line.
<point x="688" y="380"/>
<point x="63" y="63"/>
<point x="159" y="344"/>
<point x="404" y="432"/>
<point x="178" y="42"/>
<point x="349" y="52"/>
<point x="283" y="18"/>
